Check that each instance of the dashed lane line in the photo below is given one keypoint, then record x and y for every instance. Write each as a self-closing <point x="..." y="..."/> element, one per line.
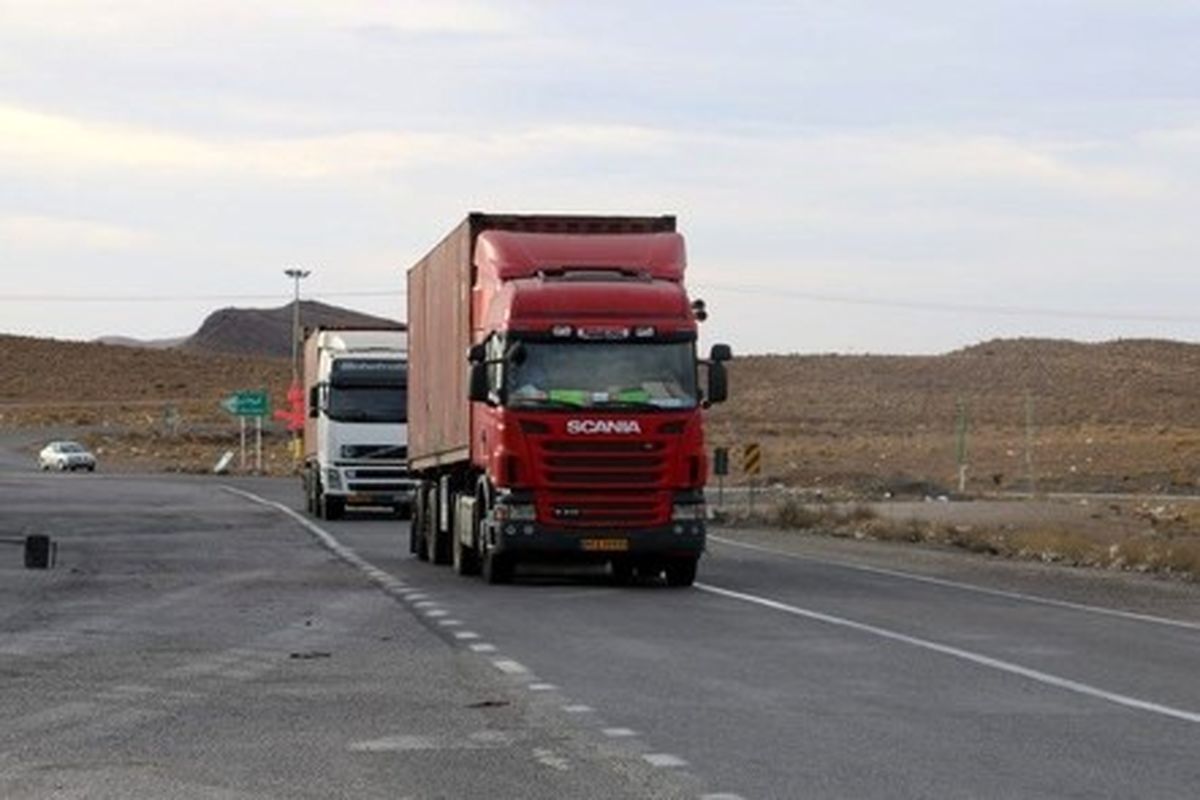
<point x="421" y="602"/>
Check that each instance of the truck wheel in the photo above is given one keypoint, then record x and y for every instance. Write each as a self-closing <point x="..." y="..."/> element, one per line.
<point x="466" y="560"/>
<point x="681" y="571"/>
<point x="437" y="544"/>
<point x="418" y="526"/>
<point x="332" y="507"/>
<point x="436" y="547"/>
<point x="497" y="568"/>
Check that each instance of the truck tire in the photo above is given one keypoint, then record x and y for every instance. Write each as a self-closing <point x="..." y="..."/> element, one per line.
<point x="681" y="571"/>
<point x="332" y="507"/>
<point x="466" y="557"/>
<point x="497" y="567"/>
<point x="418" y="526"/>
<point x="437" y="544"/>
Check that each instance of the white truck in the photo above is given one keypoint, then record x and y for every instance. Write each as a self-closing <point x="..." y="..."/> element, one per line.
<point x="356" y="430"/>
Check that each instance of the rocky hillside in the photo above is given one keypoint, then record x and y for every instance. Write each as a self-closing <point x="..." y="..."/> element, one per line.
<point x="268" y="332"/>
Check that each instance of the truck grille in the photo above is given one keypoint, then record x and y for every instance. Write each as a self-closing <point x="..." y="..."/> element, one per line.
<point x="377" y="479"/>
<point x="630" y="473"/>
<point x="636" y="465"/>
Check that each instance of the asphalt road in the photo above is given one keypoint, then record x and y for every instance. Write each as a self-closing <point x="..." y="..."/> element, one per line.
<point x="200" y="642"/>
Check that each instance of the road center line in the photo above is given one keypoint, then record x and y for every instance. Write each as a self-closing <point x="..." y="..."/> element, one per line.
<point x="965" y="655"/>
<point x="968" y="587"/>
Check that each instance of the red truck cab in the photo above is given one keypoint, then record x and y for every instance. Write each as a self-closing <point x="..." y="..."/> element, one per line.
<point x="586" y="406"/>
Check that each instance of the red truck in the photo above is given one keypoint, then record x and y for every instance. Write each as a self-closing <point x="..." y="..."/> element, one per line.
<point x="555" y="398"/>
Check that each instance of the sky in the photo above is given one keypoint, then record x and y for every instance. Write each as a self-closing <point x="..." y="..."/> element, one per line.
<point x="851" y="176"/>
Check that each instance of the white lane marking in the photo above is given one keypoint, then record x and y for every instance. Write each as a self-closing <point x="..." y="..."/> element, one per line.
<point x="542" y="687"/>
<point x="424" y="604"/>
<point x="483" y="647"/>
<point x="434" y="613"/>
<point x="721" y="796"/>
<point x="549" y="758"/>
<point x="966" y="655"/>
<point x="578" y="708"/>
<point x="464" y="635"/>
<point x="510" y="667"/>
<point x="664" y="760"/>
<point x="619" y="733"/>
<point x="967" y="587"/>
<point x="450" y="623"/>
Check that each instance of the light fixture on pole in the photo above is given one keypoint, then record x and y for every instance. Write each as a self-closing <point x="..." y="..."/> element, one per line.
<point x="296" y="275"/>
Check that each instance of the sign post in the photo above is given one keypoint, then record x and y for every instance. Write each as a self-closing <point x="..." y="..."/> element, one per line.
<point x="249" y="403"/>
<point x="721" y="469"/>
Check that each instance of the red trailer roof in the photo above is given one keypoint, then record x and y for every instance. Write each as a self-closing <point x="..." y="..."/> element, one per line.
<point x="508" y="255"/>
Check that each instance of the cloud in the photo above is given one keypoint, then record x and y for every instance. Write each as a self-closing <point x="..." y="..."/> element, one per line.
<point x="57" y="233"/>
<point x="32" y="139"/>
<point x="70" y="19"/>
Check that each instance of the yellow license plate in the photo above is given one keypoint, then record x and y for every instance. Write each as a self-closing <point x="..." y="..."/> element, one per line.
<point x="605" y="545"/>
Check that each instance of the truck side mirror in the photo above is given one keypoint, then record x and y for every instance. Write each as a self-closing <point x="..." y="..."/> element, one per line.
<point x="721" y="352"/>
<point x="313" y="401"/>
<point x="479" y="382"/>
<point x="718" y="383"/>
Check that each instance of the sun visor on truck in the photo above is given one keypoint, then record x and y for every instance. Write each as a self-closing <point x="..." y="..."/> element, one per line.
<point x="368" y="372"/>
<point x="508" y="255"/>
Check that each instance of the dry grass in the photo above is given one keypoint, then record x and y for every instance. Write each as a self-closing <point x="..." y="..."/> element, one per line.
<point x="1171" y="549"/>
<point x="190" y="452"/>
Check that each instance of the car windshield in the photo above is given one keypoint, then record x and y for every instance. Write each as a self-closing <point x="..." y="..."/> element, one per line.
<point x="595" y="375"/>
<point x="368" y="404"/>
<point x="71" y="447"/>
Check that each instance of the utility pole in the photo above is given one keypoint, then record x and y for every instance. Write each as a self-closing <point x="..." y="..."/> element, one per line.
<point x="1029" y="442"/>
<point x="961" y="423"/>
<point x="297" y="275"/>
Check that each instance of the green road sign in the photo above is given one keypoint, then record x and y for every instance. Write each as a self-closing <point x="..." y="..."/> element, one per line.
<point x="247" y="404"/>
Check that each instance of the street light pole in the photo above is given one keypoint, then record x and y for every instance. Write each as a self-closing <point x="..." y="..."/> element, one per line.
<point x="296" y="274"/>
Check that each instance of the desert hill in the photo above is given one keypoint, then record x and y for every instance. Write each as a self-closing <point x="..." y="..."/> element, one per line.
<point x="46" y="380"/>
<point x="1120" y="415"/>
<point x="1041" y="414"/>
<point x="268" y="332"/>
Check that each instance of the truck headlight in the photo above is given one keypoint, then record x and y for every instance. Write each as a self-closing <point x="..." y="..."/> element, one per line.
<point x="333" y="480"/>
<point x="504" y="511"/>
<point x="688" y="512"/>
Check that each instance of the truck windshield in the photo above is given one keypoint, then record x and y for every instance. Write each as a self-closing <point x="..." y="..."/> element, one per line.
<point x="368" y="404"/>
<point x="594" y="375"/>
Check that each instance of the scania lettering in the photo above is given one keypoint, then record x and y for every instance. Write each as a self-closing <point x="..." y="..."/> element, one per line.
<point x="603" y="426"/>
<point x="557" y="397"/>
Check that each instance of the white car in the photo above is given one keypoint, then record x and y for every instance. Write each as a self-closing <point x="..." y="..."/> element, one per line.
<point x="66" y="456"/>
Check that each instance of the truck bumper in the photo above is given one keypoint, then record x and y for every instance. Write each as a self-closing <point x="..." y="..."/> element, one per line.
<point x="531" y="539"/>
